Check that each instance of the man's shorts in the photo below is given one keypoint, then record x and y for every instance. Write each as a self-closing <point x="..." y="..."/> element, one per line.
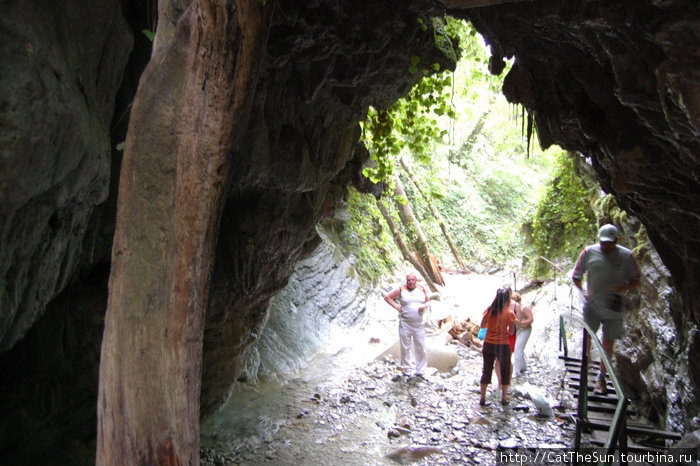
<point x="612" y="324"/>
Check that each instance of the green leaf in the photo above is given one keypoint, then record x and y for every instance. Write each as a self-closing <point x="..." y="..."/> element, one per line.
<point x="148" y="33"/>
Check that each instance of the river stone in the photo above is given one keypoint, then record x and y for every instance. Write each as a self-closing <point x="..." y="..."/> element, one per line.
<point x="440" y="356"/>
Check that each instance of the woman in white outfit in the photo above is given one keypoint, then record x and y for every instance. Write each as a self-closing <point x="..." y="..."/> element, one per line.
<point x="523" y="327"/>
<point x="413" y="300"/>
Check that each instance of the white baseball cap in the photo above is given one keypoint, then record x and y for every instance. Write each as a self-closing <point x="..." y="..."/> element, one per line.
<point x="608" y="233"/>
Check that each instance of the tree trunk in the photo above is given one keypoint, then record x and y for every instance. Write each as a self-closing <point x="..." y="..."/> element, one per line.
<point x="469" y="141"/>
<point x="191" y="104"/>
<point x="403" y="247"/>
<point x="436" y="214"/>
<point x="410" y="221"/>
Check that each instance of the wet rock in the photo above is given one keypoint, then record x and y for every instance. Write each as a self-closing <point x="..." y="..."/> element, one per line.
<point x="509" y="443"/>
<point x="440" y="356"/>
<point x="412" y="453"/>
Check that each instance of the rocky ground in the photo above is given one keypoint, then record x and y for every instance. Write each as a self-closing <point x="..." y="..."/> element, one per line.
<point x="347" y="410"/>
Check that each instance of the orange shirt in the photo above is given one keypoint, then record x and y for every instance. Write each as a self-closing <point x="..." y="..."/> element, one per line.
<point x="498" y="327"/>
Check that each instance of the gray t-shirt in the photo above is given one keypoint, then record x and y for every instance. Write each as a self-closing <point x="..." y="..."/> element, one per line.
<point x="604" y="271"/>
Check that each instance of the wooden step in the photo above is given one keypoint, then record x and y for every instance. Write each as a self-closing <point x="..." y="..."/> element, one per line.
<point x="611" y="390"/>
<point x="576" y="377"/>
<point x="607" y="408"/>
<point x="632" y="447"/>
<point x="570" y="360"/>
<point x="602" y="405"/>
<point x="593" y="371"/>
<point x="635" y="429"/>
<point x="601" y="398"/>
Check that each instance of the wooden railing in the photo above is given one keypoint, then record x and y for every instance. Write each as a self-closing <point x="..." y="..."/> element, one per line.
<point x="617" y="434"/>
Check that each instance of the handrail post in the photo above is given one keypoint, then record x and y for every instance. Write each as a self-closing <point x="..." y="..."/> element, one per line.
<point x="582" y="410"/>
<point x="562" y="337"/>
<point x="622" y="442"/>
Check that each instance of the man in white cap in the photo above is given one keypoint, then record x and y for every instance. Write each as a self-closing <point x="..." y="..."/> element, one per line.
<point x="611" y="270"/>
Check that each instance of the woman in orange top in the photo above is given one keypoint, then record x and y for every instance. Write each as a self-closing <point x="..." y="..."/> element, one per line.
<point x="497" y="317"/>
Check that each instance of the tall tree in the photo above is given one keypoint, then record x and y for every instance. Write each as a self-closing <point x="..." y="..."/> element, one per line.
<point x="403" y="247"/>
<point x="436" y="214"/>
<point x="411" y="223"/>
<point x="190" y="107"/>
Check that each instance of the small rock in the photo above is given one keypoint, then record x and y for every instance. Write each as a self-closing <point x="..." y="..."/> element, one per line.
<point x="509" y="443"/>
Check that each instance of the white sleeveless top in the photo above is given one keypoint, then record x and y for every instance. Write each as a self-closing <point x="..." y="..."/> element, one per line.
<point x="411" y="300"/>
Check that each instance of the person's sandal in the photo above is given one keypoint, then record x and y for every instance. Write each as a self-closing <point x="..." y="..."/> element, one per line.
<point x="505" y="402"/>
<point x="484" y="403"/>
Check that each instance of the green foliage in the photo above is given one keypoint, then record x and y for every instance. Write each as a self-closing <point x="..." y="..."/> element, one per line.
<point x="465" y="144"/>
<point x="564" y="222"/>
<point x="444" y="36"/>
<point x="413" y="122"/>
<point x="366" y="236"/>
<point x="473" y="65"/>
<point x="486" y="206"/>
<point x="149" y="33"/>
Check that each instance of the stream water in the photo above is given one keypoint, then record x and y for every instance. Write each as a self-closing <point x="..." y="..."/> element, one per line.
<point x="345" y="406"/>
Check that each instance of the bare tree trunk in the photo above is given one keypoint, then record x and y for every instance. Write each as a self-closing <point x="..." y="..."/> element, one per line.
<point x="403" y="247"/>
<point x="410" y="221"/>
<point x="436" y="214"/>
<point x="191" y="104"/>
<point x="470" y="140"/>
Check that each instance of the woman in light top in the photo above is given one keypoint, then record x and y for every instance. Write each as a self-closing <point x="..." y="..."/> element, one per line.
<point x="413" y="301"/>
<point x="497" y="318"/>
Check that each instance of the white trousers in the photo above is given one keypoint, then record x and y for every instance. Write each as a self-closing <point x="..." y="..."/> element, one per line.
<point x="519" y="363"/>
<point x="412" y="336"/>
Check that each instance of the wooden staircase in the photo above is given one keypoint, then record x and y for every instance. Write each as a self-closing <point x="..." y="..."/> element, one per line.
<point x="635" y="436"/>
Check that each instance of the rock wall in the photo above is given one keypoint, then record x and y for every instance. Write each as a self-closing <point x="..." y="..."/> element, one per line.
<point x="55" y="152"/>
<point x="48" y="391"/>
<point x="323" y="291"/>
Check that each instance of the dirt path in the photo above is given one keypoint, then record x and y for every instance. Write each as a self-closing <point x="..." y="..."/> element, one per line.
<point x="348" y="408"/>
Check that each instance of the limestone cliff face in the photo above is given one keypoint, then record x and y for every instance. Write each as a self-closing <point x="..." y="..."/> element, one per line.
<point x="62" y="66"/>
<point x="323" y="292"/>
<point x="615" y="80"/>
<point x="326" y="63"/>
